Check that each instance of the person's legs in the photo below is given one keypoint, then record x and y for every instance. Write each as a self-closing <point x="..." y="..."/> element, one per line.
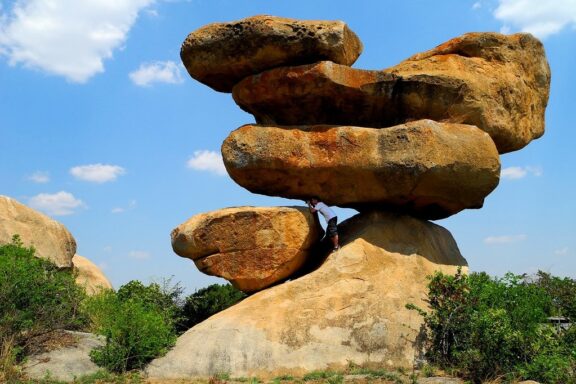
<point x="332" y="232"/>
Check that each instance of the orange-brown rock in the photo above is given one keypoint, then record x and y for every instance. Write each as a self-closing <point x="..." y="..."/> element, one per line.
<point x="496" y="82"/>
<point x="424" y="168"/>
<point x="51" y="239"/>
<point x="350" y="310"/>
<point x="221" y="54"/>
<point x="89" y="275"/>
<point x="252" y="247"/>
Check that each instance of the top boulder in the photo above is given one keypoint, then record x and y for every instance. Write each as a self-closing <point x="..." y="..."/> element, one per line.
<point x="221" y="54"/>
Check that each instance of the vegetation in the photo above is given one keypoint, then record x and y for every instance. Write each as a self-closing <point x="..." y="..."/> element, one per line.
<point x="36" y="299"/>
<point x="483" y="328"/>
<point x="140" y="321"/>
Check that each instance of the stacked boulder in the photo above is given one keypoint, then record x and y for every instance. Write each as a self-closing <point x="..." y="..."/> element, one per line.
<point x="404" y="145"/>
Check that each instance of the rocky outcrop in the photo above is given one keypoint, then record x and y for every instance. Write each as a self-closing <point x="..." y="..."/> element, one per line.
<point x="424" y="168"/>
<point x="221" y="54"/>
<point x="89" y="275"/>
<point x="496" y="82"/>
<point x="350" y="310"/>
<point x="252" y="247"/>
<point x="50" y="238"/>
<point x="68" y="362"/>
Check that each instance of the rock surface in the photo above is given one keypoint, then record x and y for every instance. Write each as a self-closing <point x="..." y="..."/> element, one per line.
<point x="496" y="82"/>
<point x="350" y="310"/>
<point x="90" y="276"/>
<point x="50" y="238"/>
<point x="424" y="168"/>
<point x="68" y="363"/>
<point x="221" y="54"/>
<point x="252" y="247"/>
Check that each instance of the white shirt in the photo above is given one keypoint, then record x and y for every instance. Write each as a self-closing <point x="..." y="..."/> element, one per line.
<point x="325" y="211"/>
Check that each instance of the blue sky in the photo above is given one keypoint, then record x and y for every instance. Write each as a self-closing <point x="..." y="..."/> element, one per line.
<point x="102" y="129"/>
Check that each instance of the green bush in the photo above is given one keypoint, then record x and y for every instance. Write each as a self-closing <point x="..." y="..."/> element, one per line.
<point x="487" y="327"/>
<point x="136" y="330"/>
<point x="36" y="298"/>
<point x="208" y="301"/>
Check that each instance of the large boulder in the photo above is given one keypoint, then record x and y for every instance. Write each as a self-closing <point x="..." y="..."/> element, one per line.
<point x="252" y="247"/>
<point x="221" y="54"/>
<point x="424" y="168"/>
<point x="496" y="82"/>
<point x="89" y="275"/>
<point x="50" y="238"/>
<point x="350" y="310"/>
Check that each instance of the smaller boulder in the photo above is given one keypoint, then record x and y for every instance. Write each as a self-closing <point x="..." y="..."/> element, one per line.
<point x="90" y="276"/>
<point x="50" y="238"/>
<point x="252" y="247"/>
<point x="221" y="54"/>
<point x="66" y="363"/>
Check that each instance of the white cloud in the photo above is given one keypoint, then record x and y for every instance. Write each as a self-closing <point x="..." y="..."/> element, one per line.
<point x="139" y="255"/>
<point x="131" y="205"/>
<point x="515" y="173"/>
<point x="39" y="177"/>
<point x="477" y="5"/>
<point x="561" y="251"/>
<point x="541" y="18"/>
<point x="107" y="248"/>
<point x="506" y="239"/>
<point x="58" y="204"/>
<point x="208" y="161"/>
<point x="157" y="72"/>
<point x="69" y="38"/>
<point x="97" y="173"/>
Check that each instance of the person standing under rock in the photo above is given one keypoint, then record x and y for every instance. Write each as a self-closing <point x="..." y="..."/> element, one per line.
<point x="316" y="205"/>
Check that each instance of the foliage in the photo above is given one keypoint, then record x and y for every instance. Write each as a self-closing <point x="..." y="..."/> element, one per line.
<point x="208" y="301"/>
<point x="487" y="327"/>
<point x="137" y="329"/>
<point x="562" y="291"/>
<point x="36" y="298"/>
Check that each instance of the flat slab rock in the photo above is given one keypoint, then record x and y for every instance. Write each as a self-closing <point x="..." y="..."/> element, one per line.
<point x="496" y="82"/>
<point x="50" y="238"/>
<point x="221" y="54"/>
<point x="68" y="363"/>
<point x="423" y="168"/>
<point x="350" y="310"/>
<point x="252" y="247"/>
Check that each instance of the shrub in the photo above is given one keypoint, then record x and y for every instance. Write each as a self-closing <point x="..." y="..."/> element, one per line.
<point x="487" y="327"/>
<point x="36" y="298"/>
<point x="208" y="301"/>
<point x="136" y="329"/>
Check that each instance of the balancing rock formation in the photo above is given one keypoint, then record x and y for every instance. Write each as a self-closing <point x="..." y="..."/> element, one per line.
<point x="414" y="142"/>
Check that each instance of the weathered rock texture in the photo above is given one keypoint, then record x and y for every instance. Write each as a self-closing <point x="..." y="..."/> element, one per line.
<point x="50" y="238"/>
<point x="252" y="247"/>
<point x="497" y="82"/>
<point x="350" y="310"/>
<point x="424" y="168"/>
<point x="67" y="363"/>
<point x="89" y="275"/>
<point x="221" y="54"/>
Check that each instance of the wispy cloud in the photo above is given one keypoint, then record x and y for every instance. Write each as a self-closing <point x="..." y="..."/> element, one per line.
<point x="139" y="255"/>
<point x="506" y="239"/>
<point x="477" y="5"/>
<point x="131" y="205"/>
<point x="167" y="72"/>
<point x="562" y="251"/>
<point x="58" y="204"/>
<point x="97" y="173"/>
<point x="515" y="173"/>
<point x="39" y="177"/>
<point x="541" y="18"/>
<point x="69" y="38"/>
<point x="208" y="161"/>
